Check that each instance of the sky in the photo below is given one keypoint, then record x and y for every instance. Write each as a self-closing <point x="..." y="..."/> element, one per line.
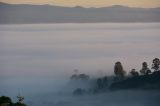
<point x="90" y="3"/>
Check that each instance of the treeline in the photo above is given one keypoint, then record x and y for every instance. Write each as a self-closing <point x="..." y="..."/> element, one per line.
<point x="121" y="78"/>
<point x="141" y="77"/>
<point x="121" y="73"/>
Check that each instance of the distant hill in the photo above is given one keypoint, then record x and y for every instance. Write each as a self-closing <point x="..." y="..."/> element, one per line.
<point x="25" y="14"/>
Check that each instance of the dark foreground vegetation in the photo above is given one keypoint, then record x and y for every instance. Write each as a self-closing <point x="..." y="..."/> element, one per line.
<point x="6" y="101"/>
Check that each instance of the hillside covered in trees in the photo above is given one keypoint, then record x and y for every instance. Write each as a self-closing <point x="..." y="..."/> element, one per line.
<point x="144" y="79"/>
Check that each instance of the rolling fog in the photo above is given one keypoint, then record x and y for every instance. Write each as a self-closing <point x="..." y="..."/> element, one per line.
<point x="38" y="59"/>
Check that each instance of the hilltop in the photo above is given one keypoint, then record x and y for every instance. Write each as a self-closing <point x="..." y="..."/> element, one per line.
<point x="26" y="14"/>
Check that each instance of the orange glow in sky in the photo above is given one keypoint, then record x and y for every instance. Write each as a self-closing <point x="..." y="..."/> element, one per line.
<point x="90" y="3"/>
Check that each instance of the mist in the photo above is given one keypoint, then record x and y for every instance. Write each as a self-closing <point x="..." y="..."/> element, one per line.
<point x="119" y="98"/>
<point x="58" y="49"/>
<point x="37" y="60"/>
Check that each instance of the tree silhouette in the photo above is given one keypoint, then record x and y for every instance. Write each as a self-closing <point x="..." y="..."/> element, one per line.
<point x="145" y="70"/>
<point x="5" y="101"/>
<point x="102" y="82"/>
<point x="105" y="81"/>
<point x="118" y="70"/>
<point x="80" y="77"/>
<point x="156" y="63"/>
<point x="75" y="75"/>
<point x="99" y="83"/>
<point x="134" y="73"/>
<point x="20" y="101"/>
<point x="83" y="77"/>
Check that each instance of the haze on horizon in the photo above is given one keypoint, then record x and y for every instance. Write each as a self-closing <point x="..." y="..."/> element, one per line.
<point x="90" y="3"/>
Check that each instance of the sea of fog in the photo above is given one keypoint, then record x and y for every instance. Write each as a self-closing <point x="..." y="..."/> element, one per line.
<point x="37" y="60"/>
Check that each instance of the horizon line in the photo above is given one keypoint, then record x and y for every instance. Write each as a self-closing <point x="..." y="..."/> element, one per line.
<point x="77" y="6"/>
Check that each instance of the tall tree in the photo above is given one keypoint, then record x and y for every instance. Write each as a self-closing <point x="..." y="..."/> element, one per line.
<point x="155" y="64"/>
<point x="119" y="71"/>
<point x="134" y="73"/>
<point x="145" y="70"/>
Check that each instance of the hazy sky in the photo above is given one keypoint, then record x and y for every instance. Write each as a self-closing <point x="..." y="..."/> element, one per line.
<point x="91" y="3"/>
<point x="57" y="49"/>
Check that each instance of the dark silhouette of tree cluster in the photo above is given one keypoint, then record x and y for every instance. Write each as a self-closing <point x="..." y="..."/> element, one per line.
<point x="120" y="73"/>
<point x="102" y="82"/>
<point x="145" y="70"/>
<point x="6" y="101"/>
<point x="145" y="77"/>
<point x="80" y="77"/>
<point x="121" y="81"/>
<point x="134" y="73"/>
